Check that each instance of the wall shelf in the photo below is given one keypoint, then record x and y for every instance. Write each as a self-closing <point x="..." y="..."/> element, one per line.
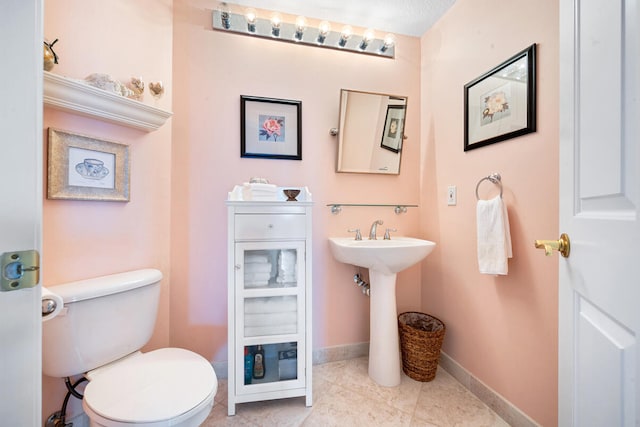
<point x="74" y="96"/>
<point x="399" y="208"/>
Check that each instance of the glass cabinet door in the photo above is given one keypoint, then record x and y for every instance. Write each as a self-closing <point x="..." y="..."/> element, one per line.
<point x="270" y="298"/>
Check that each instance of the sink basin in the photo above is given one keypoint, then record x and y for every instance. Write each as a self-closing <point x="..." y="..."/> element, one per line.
<point x="385" y="256"/>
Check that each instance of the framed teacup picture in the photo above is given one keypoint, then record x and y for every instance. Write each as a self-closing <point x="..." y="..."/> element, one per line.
<point x="86" y="168"/>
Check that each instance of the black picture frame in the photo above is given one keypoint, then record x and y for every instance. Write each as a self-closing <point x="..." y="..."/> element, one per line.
<point x="270" y="128"/>
<point x="393" y="132"/>
<point x="501" y="104"/>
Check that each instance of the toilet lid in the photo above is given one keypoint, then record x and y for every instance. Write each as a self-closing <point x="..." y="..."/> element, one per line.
<point x="155" y="386"/>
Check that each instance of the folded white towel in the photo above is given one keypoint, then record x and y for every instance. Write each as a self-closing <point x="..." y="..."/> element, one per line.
<point x="257" y="267"/>
<point x="270" y="304"/>
<point x="258" y="186"/>
<point x="270" y="319"/>
<point x="256" y="283"/>
<point x="253" y="331"/>
<point x="253" y="277"/>
<point x="256" y="259"/>
<point x="286" y="278"/>
<point x="260" y="192"/>
<point x="494" y="236"/>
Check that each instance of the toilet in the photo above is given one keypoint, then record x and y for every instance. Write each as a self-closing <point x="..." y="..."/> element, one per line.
<point x="104" y="323"/>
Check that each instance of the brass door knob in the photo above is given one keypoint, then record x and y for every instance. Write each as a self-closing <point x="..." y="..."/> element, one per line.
<point x="562" y="245"/>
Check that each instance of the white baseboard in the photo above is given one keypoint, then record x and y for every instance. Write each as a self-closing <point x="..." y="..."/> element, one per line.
<point x="501" y="406"/>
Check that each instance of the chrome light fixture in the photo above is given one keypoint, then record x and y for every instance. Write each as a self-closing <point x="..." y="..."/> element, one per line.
<point x="273" y="26"/>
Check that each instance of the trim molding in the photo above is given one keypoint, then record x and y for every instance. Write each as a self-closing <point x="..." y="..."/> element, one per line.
<point x="501" y="406"/>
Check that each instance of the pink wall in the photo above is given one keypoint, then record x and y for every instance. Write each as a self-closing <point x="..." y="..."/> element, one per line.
<point x="211" y="71"/>
<point x="83" y="239"/>
<point x="502" y="329"/>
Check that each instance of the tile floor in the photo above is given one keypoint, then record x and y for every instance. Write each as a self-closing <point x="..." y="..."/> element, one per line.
<point x="344" y="395"/>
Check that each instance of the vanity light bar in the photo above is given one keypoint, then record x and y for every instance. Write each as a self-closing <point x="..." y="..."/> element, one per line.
<point x="251" y="24"/>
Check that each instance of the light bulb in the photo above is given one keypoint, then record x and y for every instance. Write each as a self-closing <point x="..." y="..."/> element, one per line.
<point x="224" y="15"/>
<point x="344" y="35"/>
<point x="388" y="42"/>
<point x="301" y="25"/>
<point x="251" y="17"/>
<point x="324" y="29"/>
<point x="276" y="20"/>
<point x="366" y="39"/>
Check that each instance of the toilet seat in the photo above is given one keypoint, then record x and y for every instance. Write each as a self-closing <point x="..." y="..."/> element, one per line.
<point x="157" y="388"/>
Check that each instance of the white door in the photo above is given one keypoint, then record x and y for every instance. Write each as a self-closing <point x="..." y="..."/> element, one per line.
<point x="20" y="207"/>
<point x="599" y="295"/>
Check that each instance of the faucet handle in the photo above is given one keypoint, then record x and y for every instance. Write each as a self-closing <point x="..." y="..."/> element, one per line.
<point x="387" y="236"/>
<point x="358" y="234"/>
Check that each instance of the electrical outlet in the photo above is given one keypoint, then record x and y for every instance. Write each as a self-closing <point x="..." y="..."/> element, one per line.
<point x="452" y="196"/>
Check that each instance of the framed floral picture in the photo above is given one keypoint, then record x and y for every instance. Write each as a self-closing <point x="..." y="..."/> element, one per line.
<point x="270" y="128"/>
<point x="501" y="104"/>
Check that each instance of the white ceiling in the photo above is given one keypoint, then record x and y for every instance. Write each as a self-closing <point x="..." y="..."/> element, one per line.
<point x="408" y="17"/>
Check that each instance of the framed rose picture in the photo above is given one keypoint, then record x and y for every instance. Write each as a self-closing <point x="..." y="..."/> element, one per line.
<point x="270" y="128"/>
<point x="501" y="104"/>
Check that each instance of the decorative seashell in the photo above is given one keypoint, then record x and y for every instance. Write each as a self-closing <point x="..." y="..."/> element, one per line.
<point x="108" y="83"/>
<point x="136" y="85"/>
<point x="156" y="89"/>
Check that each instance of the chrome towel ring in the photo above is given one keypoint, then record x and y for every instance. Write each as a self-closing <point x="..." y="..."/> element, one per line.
<point x="495" y="178"/>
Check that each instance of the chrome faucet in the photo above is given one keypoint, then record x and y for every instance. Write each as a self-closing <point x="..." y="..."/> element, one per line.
<point x="374" y="226"/>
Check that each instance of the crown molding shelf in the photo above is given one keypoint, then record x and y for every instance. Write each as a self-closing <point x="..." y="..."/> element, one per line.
<point x="76" y="97"/>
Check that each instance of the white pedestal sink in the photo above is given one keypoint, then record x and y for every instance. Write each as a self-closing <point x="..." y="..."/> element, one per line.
<point x="383" y="258"/>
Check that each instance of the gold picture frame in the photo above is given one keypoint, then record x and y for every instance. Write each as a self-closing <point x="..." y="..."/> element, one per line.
<point x="82" y="167"/>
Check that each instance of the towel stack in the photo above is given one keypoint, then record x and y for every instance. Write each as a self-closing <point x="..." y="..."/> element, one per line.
<point x="494" y="236"/>
<point x="257" y="270"/>
<point x="259" y="191"/>
<point x="286" y="266"/>
<point x="270" y="316"/>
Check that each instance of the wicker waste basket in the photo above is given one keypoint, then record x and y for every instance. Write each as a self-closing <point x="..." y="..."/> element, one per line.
<point x="421" y="337"/>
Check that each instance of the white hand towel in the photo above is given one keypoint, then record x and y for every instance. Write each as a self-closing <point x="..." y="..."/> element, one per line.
<point x="494" y="237"/>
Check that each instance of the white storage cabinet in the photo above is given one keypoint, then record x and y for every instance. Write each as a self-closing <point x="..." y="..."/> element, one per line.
<point x="269" y="297"/>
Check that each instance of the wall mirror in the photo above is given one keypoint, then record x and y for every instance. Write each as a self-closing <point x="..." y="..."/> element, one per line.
<point x="371" y="132"/>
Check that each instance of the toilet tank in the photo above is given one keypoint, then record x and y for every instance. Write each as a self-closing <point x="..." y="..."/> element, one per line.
<point x="103" y="319"/>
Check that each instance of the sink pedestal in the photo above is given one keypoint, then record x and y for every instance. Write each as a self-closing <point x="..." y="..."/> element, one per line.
<point x="384" y="343"/>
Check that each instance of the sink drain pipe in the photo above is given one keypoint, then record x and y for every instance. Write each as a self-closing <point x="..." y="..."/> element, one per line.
<point x="366" y="289"/>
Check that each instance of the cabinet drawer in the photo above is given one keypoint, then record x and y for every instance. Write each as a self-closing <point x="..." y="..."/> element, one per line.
<point x="269" y="227"/>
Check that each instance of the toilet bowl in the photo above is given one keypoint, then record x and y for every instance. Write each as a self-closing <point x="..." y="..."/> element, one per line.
<point x="104" y="323"/>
